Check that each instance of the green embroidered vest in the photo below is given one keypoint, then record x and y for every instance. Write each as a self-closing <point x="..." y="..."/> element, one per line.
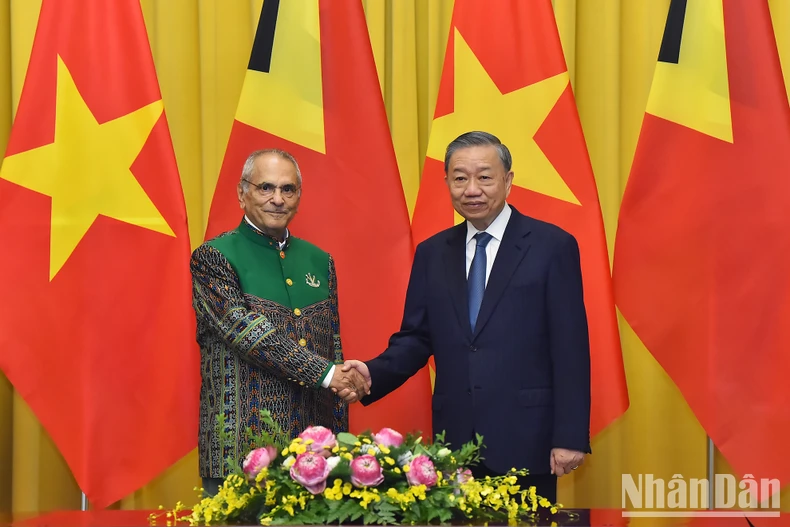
<point x="295" y="277"/>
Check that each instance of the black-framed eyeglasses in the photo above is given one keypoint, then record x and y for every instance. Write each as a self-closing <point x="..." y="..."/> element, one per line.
<point x="267" y="190"/>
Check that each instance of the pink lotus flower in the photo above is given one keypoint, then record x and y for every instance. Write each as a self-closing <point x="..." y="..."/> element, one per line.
<point x="366" y="471"/>
<point x="388" y="437"/>
<point x="257" y="460"/>
<point x="323" y="440"/>
<point x="311" y="470"/>
<point x="422" y="472"/>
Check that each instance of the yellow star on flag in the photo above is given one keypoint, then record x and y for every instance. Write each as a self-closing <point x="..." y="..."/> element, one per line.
<point x="86" y="170"/>
<point x="514" y="117"/>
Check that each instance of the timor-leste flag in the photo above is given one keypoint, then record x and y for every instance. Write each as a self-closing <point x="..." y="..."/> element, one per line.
<point x="311" y="89"/>
<point x="516" y="86"/>
<point x="703" y="245"/>
<point x="96" y="327"/>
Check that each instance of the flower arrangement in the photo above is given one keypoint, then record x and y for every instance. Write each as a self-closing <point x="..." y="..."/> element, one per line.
<point x="384" y="478"/>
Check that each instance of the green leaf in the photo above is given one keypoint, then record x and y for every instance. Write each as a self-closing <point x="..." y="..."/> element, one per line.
<point x="385" y="506"/>
<point x="388" y="519"/>
<point x="371" y="518"/>
<point x="344" y="511"/>
<point x="347" y="439"/>
<point x="419" y="450"/>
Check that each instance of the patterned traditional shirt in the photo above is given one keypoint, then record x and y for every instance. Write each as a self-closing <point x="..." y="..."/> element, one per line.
<point x="269" y="332"/>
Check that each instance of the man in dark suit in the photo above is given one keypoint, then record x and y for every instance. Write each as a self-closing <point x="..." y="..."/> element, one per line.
<point x="498" y="302"/>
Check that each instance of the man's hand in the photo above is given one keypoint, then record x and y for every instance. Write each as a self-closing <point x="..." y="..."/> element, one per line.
<point x="359" y="367"/>
<point x="350" y="385"/>
<point x="564" y="460"/>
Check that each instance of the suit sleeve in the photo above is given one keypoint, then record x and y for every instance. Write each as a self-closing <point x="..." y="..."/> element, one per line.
<point x="409" y="349"/>
<point x="570" y="349"/>
<point x="219" y="304"/>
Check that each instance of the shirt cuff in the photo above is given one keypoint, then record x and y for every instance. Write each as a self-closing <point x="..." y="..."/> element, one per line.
<point x="328" y="377"/>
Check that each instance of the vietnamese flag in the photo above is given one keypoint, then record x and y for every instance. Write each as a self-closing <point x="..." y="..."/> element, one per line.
<point x="504" y="73"/>
<point x="702" y="254"/>
<point x="97" y="331"/>
<point x="311" y="89"/>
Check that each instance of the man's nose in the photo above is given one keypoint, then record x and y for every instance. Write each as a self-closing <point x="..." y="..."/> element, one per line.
<point x="277" y="197"/>
<point x="472" y="188"/>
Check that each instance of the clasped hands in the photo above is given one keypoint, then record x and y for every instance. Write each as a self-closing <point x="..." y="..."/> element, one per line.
<point x="351" y="381"/>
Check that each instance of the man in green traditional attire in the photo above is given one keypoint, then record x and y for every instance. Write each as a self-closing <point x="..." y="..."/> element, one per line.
<point x="267" y="323"/>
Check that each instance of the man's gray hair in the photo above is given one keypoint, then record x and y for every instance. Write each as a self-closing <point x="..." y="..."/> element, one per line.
<point x="478" y="139"/>
<point x="249" y="165"/>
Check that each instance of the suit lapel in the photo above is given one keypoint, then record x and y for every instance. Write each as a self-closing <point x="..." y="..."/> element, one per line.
<point x="512" y="250"/>
<point x="455" y="263"/>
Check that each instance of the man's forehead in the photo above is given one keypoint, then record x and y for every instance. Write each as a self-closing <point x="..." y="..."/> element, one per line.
<point x="273" y="169"/>
<point x="465" y="159"/>
<point x="476" y="151"/>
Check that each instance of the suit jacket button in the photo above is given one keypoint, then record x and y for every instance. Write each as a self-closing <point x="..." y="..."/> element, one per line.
<point x="468" y="392"/>
<point x="472" y="348"/>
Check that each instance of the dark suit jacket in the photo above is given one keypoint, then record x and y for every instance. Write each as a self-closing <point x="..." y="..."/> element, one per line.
<point x="522" y="380"/>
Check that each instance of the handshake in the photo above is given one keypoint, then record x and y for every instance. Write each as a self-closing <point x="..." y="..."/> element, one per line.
<point x="351" y="381"/>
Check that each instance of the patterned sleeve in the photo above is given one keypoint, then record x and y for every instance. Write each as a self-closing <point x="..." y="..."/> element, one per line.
<point x="335" y="311"/>
<point x="219" y="302"/>
<point x="340" y="410"/>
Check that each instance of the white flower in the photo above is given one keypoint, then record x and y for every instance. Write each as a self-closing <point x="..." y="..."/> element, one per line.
<point x="289" y="461"/>
<point x="332" y="462"/>
<point x="444" y="452"/>
<point x="405" y="458"/>
<point x="370" y="449"/>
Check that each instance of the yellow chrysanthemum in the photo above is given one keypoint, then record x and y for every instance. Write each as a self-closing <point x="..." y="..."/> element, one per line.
<point x="365" y="497"/>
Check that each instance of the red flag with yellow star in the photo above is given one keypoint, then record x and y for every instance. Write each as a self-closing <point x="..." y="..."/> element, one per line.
<point x="96" y="327"/>
<point x="703" y="245"/>
<point x="311" y="89"/>
<point x="516" y="86"/>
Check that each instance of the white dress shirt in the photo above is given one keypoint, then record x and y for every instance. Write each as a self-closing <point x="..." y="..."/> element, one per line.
<point x="281" y="244"/>
<point x="496" y="230"/>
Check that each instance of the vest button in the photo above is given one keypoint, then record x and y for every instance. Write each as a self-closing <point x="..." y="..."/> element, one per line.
<point x="297" y="312"/>
<point x="302" y="342"/>
<point x="289" y="281"/>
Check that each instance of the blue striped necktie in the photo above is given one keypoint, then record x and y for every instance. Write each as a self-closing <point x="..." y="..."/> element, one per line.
<point x="476" y="282"/>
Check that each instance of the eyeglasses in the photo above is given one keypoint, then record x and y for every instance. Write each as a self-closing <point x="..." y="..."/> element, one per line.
<point x="267" y="190"/>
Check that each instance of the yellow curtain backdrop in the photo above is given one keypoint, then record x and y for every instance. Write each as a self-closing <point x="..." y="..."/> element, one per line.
<point x="200" y="51"/>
